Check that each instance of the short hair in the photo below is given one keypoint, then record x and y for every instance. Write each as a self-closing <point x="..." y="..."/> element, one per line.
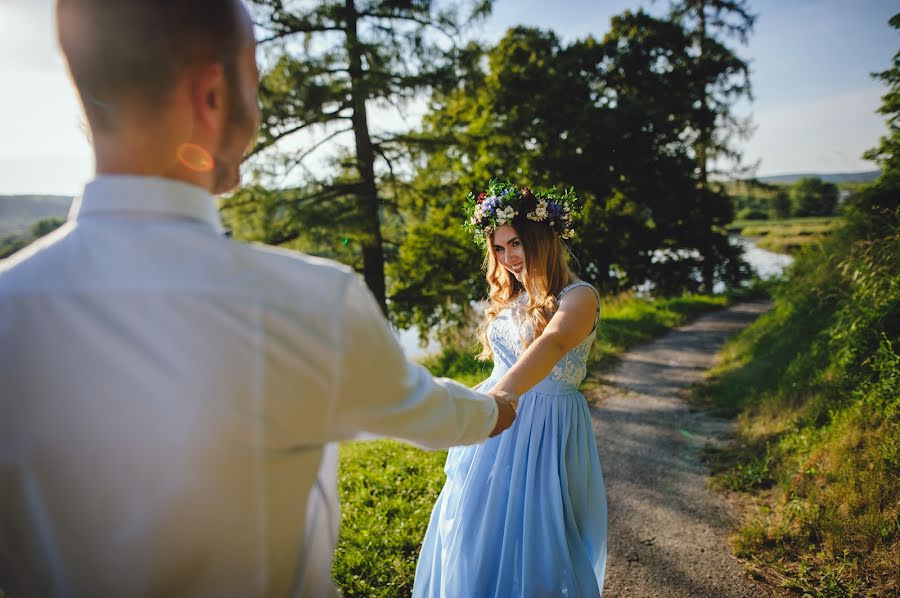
<point x="136" y="50"/>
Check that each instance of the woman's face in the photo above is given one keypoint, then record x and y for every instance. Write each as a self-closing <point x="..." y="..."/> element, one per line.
<point x="509" y="251"/>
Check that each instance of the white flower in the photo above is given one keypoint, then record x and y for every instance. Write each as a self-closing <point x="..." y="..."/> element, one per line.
<point x="540" y="212"/>
<point x="506" y="214"/>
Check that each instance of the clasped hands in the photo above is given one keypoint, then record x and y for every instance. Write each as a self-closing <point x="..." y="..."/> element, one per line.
<point x="507" y="403"/>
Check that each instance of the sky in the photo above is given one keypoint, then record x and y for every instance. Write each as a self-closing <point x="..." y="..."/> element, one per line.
<point x="814" y="103"/>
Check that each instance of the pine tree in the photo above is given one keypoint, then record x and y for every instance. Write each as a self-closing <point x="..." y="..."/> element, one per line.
<point x="331" y="61"/>
<point x="719" y="78"/>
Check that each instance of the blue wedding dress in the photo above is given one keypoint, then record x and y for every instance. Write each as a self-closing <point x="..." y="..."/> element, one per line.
<point x="524" y="513"/>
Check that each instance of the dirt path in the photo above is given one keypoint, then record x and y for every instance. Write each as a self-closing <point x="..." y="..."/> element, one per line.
<point x="667" y="529"/>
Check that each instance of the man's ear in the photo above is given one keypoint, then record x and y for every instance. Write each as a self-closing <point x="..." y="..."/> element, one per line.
<point x="208" y="98"/>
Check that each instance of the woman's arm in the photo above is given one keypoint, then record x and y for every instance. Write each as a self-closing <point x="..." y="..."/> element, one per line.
<point x="571" y="323"/>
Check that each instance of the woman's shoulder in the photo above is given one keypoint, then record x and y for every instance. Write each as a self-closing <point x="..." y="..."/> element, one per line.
<point x="580" y="288"/>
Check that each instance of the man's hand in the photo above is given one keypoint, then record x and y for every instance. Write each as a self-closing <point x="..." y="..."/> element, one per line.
<point x="506" y="409"/>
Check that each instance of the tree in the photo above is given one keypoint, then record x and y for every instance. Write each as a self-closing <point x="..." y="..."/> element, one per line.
<point x="718" y="79"/>
<point x="10" y="245"/>
<point x="814" y="197"/>
<point x="329" y="62"/>
<point x="608" y="117"/>
<point x="887" y="154"/>
<point x="781" y="204"/>
<point x="45" y="226"/>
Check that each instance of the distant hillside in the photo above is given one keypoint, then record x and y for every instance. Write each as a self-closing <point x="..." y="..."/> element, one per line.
<point x="19" y="212"/>
<point x="841" y="177"/>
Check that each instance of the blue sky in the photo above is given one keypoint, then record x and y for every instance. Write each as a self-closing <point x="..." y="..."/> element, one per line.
<point x="814" y="105"/>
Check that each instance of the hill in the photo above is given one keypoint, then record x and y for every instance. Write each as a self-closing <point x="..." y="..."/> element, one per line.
<point x="840" y="177"/>
<point x="19" y="212"/>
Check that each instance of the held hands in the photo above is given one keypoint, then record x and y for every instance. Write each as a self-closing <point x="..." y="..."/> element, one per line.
<point x="506" y="408"/>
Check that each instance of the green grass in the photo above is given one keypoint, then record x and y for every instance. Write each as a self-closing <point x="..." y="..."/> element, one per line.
<point x="387" y="489"/>
<point x="789" y="235"/>
<point x="815" y="385"/>
<point x="627" y="320"/>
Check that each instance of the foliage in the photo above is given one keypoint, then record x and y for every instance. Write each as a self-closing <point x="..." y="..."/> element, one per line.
<point x="608" y="118"/>
<point x="781" y="204"/>
<point x="503" y="202"/>
<point x="10" y="245"/>
<point x="887" y="154"/>
<point x="752" y="214"/>
<point x="787" y="236"/>
<point x="326" y="62"/>
<point x="817" y="385"/>
<point x="813" y="197"/>
<point x="435" y="273"/>
<point x="717" y="79"/>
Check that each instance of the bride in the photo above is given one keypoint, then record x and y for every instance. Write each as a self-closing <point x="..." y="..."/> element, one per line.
<point x="524" y="514"/>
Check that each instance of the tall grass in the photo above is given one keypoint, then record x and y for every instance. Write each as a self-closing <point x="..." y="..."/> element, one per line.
<point x="816" y="387"/>
<point x="387" y="489"/>
<point x="789" y="235"/>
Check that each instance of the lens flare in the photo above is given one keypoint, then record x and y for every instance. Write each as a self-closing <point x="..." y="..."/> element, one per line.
<point x="195" y="157"/>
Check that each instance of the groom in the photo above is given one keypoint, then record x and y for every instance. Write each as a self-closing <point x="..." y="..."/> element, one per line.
<point x="167" y="395"/>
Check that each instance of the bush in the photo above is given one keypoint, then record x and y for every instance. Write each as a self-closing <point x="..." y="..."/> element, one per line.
<point x="817" y="385"/>
<point x="752" y="214"/>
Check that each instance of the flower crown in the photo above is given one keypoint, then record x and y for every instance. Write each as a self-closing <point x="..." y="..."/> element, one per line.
<point x="503" y="202"/>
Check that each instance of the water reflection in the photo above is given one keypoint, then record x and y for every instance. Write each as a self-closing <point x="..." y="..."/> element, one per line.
<point x="766" y="264"/>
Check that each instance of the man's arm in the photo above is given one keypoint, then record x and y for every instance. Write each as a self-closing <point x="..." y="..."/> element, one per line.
<point x="380" y="392"/>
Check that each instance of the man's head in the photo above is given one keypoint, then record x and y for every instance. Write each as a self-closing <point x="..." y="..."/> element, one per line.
<point x="165" y="84"/>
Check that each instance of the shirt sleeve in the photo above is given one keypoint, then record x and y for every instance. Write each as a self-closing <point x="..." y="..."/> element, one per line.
<point x="381" y="393"/>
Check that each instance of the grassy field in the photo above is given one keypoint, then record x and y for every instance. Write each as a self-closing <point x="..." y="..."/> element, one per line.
<point x="787" y="236"/>
<point x="387" y="488"/>
<point x="815" y="385"/>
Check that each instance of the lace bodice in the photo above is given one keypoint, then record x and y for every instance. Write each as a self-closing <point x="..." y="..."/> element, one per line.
<point x="508" y="330"/>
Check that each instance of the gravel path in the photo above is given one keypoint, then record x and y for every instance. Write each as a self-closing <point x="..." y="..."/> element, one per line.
<point x="667" y="529"/>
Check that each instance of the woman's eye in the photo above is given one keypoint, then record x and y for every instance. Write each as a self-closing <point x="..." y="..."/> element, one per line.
<point x="516" y="243"/>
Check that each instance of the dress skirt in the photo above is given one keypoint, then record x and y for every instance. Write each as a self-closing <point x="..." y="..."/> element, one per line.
<point x="524" y="513"/>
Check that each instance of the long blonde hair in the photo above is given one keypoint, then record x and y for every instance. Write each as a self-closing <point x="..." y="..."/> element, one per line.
<point x="547" y="272"/>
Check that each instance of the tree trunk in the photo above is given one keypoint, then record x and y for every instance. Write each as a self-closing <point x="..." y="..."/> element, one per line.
<point x="372" y="249"/>
<point x="705" y="134"/>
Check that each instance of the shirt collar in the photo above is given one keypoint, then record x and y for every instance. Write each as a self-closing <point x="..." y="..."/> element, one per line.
<point x="127" y="194"/>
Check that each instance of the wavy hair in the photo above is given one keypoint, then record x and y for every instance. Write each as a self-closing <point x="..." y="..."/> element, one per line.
<point x="547" y="272"/>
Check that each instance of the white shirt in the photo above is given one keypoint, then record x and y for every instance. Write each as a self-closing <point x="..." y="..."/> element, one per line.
<point x="167" y="397"/>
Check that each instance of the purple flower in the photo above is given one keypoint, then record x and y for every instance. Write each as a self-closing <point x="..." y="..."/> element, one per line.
<point x="554" y="210"/>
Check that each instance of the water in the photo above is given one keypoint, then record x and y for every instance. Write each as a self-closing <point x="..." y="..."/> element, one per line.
<point x="766" y="264"/>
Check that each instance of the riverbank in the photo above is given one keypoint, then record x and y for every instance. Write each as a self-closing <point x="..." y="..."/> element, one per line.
<point x="786" y="236"/>
<point x="815" y="388"/>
